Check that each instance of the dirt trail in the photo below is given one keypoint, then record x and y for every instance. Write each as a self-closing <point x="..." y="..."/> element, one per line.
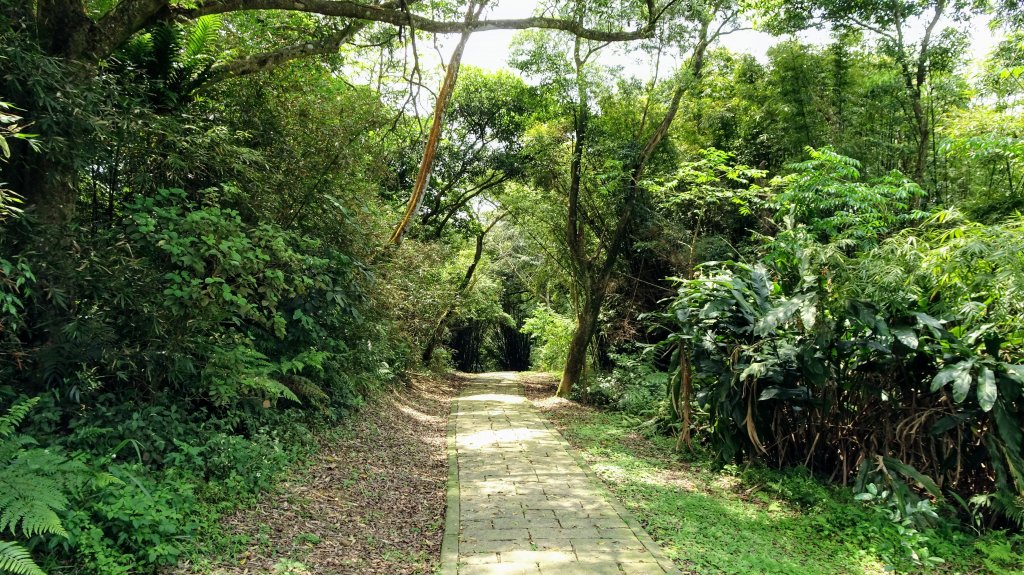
<point x="369" y="504"/>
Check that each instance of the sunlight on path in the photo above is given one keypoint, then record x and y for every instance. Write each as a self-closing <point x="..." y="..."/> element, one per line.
<point x="525" y="506"/>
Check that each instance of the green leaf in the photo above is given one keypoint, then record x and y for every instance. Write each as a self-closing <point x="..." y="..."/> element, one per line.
<point x="1015" y="372"/>
<point x="910" y="473"/>
<point x="986" y="389"/>
<point x="929" y="322"/>
<point x="15" y="559"/>
<point x="906" y="336"/>
<point x="946" y="375"/>
<point x="962" y="381"/>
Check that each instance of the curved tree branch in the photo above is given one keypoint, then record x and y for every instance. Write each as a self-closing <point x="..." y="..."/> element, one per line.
<point x="95" y="41"/>
<point x="268" y="60"/>
<point x="388" y="15"/>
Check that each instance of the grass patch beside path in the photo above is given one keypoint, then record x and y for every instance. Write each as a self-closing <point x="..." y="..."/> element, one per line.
<point x="370" y="502"/>
<point x="733" y="521"/>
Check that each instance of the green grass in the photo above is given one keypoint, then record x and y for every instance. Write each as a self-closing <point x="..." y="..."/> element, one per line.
<point x="714" y="521"/>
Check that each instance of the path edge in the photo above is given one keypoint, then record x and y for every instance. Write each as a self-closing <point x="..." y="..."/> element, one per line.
<point x="450" y="541"/>
<point x="634" y="525"/>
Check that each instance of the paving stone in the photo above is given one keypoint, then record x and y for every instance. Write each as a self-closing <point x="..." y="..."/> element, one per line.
<point x="500" y="569"/>
<point x="495" y="535"/>
<point x="492" y="546"/>
<point x="552" y="545"/>
<point x="522" y="523"/>
<point x="616" y="556"/>
<point x="559" y="533"/>
<point x="622" y="544"/>
<point x="478" y="558"/>
<point x="539" y="513"/>
<point x="534" y="556"/>
<point x="579" y="569"/>
<point x="641" y="569"/>
<point x="525" y="506"/>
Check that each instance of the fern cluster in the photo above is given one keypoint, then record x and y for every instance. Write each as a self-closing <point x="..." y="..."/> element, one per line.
<point x="33" y="486"/>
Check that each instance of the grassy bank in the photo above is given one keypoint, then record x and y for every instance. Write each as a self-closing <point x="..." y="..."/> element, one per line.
<point x="734" y="520"/>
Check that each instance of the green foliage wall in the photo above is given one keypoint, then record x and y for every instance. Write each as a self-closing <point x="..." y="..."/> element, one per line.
<point x="847" y="322"/>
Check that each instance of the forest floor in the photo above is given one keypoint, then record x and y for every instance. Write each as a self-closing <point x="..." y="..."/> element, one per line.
<point x="371" y="502"/>
<point x="710" y="520"/>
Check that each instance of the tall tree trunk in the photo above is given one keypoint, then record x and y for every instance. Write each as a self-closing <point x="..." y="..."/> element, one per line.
<point x="923" y="138"/>
<point x="63" y="27"/>
<point x="595" y="273"/>
<point x="915" y="75"/>
<point x="576" y="242"/>
<point x="48" y="186"/>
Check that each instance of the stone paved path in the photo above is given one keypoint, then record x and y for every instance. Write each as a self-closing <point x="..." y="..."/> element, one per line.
<point x="523" y="505"/>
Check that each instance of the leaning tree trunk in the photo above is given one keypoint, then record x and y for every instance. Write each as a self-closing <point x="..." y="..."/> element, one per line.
<point x="586" y="325"/>
<point x="434" y="139"/>
<point x="460" y="292"/>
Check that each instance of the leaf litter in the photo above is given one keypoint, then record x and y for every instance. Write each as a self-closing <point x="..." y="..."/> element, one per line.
<point x="371" y="502"/>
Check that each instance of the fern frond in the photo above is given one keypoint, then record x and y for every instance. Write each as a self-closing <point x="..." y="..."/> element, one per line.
<point x="271" y="388"/>
<point x="166" y="44"/>
<point x="29" y="497"/>
<point x="16" y="559"/>
<point x="303" y="387"/>
<point x="201" y="38"/>
<point x="12" y="446"/>
<point x="14" y="416"/>
<point x="1009" y="506"/>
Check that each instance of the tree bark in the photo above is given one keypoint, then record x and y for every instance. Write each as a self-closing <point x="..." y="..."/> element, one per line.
<point x="49" y="188"/>
<point x="443" y="97"/>
<point x="358" y="11"/>
<point x="63" y="27"/>
<point x="576" y="359"/>
<point x="580" y="264"/>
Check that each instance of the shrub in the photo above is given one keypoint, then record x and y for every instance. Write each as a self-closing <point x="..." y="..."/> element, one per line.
<point x="634" y="386"/>
<point x="552" y="333"/>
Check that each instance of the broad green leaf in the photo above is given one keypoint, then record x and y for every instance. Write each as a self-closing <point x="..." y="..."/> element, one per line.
<point x="906" y="336"/>
<point x="986" y="389"/>
<point x="962" y="381"/>
<point x="930" y="322"/>
<point x="944" y="376"/>
<point x="1015" y="372"/>
<point x="756" y="370"/>
<point x="959" y="374"/>
<point x="909" y="472"/>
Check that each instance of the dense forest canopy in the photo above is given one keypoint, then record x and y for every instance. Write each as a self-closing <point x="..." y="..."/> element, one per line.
<point x="813" y="259"/>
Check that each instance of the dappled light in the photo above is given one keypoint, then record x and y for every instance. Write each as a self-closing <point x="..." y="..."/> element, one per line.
<point x="631" y="287"/>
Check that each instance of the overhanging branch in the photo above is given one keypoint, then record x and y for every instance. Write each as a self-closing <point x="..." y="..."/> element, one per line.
<point x="357" y="11"/>
<point x="268" y="60"/>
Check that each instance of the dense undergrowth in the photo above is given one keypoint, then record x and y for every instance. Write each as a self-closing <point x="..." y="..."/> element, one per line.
<point x="163" y="409"/>
<point x="850" y="316"/>
<point x="173" y="346"/>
